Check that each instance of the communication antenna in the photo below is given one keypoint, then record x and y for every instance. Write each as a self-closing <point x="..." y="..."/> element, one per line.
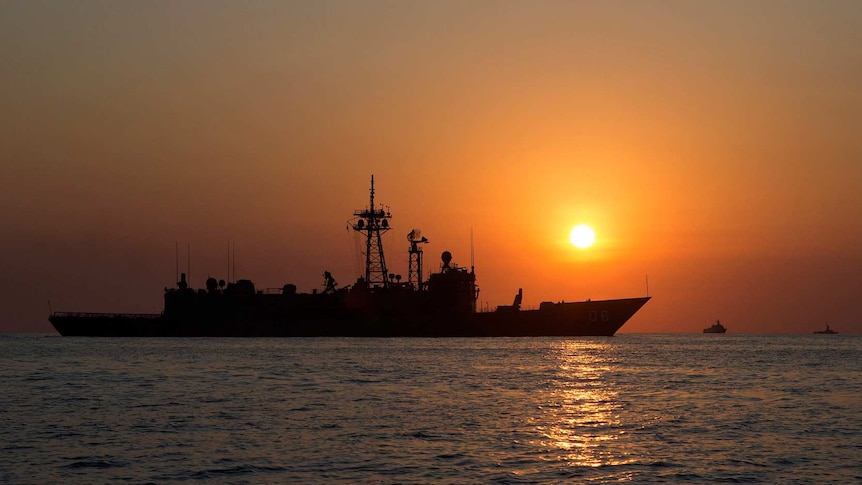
<point x="177" y="255"/>
<point x="472" y="259"/>
<point x="228" y="261"/>
<point x="189" y="262"/>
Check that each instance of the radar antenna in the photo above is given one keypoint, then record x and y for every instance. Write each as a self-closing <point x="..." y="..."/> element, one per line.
<point x="414" y="274"/>
<point x="372" y="222"/>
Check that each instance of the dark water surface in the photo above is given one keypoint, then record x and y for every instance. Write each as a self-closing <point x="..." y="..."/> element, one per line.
<point x="632" y="408"/>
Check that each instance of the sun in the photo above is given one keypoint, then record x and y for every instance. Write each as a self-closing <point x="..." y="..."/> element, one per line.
<point x="582" y="236"/>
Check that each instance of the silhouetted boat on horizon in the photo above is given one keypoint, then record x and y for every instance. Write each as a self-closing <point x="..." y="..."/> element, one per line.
<point x="828" y="331"/>
<point x="716" y="327"/>
<point x="378" y="304"/>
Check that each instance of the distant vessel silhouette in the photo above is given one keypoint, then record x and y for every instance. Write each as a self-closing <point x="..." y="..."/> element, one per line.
<point x="378" y="304"/>
<point x="716" y="327"/>
<point x="828" y="331"/>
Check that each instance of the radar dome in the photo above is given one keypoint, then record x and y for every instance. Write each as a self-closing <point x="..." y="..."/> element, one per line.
<point x="446" y="257"/>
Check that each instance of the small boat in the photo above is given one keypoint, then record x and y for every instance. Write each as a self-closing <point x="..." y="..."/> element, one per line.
<point x="828" y="331"/>
<point x="716" y="327"/>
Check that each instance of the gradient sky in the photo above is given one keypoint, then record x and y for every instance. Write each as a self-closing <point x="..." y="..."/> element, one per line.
<point x="714" y="146"/>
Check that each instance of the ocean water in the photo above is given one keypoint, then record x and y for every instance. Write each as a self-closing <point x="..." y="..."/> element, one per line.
<point x="631" y="408"/>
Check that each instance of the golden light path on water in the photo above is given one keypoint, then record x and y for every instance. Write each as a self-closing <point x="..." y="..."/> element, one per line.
<point x="582" y="410"/>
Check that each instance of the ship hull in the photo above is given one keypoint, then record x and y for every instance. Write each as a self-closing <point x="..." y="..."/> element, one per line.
<point x="588" y="318"/>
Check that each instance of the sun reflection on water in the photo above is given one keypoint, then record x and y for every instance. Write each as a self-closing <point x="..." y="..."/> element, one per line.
<point x="581" y="422"/>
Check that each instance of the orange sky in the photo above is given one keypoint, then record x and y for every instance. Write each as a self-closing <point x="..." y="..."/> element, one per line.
<point x="713" y="146"/>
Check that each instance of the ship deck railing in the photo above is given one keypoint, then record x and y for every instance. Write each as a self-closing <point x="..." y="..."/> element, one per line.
<point x="105" y="315"/>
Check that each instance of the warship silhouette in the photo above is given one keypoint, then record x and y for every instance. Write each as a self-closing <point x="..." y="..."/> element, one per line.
<point x="378" y="304"/>
<point x="716" y="327"/>
<point x="828" y="331"/>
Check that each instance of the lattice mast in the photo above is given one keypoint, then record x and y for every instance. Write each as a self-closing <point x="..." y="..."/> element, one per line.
<point x="414" y="274"/>
<point x="373" y="222"/>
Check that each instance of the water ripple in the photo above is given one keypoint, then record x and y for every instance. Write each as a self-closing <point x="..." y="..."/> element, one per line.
<point x="634" y="409"/>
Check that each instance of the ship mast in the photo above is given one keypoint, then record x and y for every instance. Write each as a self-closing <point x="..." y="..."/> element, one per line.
<point x="414" y="274"/>
<point x="372" y="222"/>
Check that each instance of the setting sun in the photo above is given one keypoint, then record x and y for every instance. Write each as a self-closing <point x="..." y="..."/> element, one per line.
<point x="582" y="236"/>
